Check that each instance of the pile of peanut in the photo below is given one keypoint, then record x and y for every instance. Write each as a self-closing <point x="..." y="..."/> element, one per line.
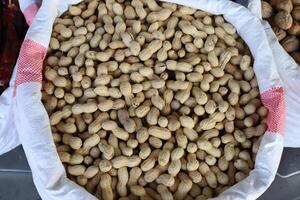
<point x="151" y="100"/>
<point x="284" y="17"/>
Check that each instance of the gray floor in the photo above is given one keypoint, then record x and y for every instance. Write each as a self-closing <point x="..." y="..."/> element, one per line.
<point x="16" y="182"/>
<point x="15" y="177"/>
<point x="286" y="188"/>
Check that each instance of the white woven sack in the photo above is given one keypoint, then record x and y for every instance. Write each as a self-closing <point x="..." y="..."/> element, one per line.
<point x="23" y="118"/>
<point x="253" y="5"/>
<point x="289" y="72"/>
<point x="9" y="139"/>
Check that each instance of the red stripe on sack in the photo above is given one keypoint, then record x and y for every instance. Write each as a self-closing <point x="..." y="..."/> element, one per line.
<point x="30" y="62"/>
<point x="274" y="101"/>
<point x="30" y="12"/>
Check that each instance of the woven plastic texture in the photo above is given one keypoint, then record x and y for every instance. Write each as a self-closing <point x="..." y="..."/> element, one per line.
<point x="273" y="99"/>
<point x="30" y="62"/>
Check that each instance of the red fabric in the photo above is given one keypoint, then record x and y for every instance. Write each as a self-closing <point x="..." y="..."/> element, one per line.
<point x="274" y="101"/>
<point x="13" y="28"/>
<point x="30" y="12"/>
<point x="30" y="62"/>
